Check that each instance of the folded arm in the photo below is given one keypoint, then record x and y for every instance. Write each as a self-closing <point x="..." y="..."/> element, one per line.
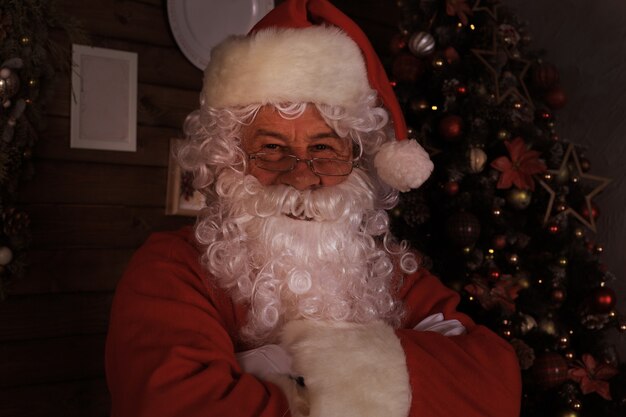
<point x="473" y="373"/>
<point x="170" y="350"/>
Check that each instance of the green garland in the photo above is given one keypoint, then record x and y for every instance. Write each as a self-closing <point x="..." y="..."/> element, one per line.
<point x="29" y="60"/>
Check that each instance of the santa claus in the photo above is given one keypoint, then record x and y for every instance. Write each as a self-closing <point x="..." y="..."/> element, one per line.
<point x="291" y="295"/>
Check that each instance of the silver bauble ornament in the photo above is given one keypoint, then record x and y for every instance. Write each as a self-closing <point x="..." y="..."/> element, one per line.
<point x="6" y="255"/>
<point x="477" y="159"/>
<point x="9" y="84"/>
<point x="527" y="324"/>
<point x="421" y="43"/>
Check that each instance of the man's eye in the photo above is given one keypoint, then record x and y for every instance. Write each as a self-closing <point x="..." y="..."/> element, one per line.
<point x="322" y="147"/>
<point x="272" y="147"/>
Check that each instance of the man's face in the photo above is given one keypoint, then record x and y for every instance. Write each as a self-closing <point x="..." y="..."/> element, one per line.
<point x="306" y="137"/>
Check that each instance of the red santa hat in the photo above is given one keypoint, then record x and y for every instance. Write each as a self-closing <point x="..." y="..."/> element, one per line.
<point x="309" y="51"/>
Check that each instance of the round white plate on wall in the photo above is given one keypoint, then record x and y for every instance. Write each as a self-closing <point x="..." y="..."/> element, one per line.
<point x="199" y="25"/>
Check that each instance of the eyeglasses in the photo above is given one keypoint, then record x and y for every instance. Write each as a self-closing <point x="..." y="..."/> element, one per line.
<point x="319" y="166"/>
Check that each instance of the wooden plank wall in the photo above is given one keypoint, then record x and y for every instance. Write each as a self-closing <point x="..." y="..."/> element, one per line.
<point x="90" y="210"/>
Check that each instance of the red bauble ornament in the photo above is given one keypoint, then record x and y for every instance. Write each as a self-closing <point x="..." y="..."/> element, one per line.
<point x="595" y="212"/>
<point x="451" y="55"/>
<point x="407" y="67"/>
<point x="499" y="241"/>
<point x="585" y="165"/>
<point x="555" y="98"/>
<point x="603" y="300"/>
<point x="494" y="274"/>
<point x="398" y="43"/>
<point x="549" y="370"/>
<point x="451" y="188"/>
<point x="544" y="115"/>
<point x="554" y="229"/>
<point x="451" y="127"/>
<point x="558" y="295"/>
<point x="463" y="228"/>
<point x="545" y="76"/>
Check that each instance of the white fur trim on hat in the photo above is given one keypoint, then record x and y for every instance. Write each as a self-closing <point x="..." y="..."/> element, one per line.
<point x="403" y="164"/>
<point x="317" y="64"/>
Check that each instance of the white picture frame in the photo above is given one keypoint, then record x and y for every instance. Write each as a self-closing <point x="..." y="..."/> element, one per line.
<point x="104" y="99"/>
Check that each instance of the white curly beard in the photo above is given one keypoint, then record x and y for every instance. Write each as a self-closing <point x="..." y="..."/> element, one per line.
<point x="299" y="254"/>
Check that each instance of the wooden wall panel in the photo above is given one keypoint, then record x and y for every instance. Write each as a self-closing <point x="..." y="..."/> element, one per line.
<point x="66" y="358"/>
<point x="122" y="19"/>
<point x="152" y="146"/>
<point x="156" y="105"/>
<point x="82" y="398"/>
<point x="87" y="226"/>
<point x="73" y="270"/>
<point x="53" y="315"/>
<point x="91" y="209"/>
<point x="57" y="182"/>
<point x="159" y="65"/>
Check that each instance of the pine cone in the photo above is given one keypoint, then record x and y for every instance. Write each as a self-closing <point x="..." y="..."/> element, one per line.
<point x="414" y="210"/>
<point x="525" y="354"/>
<point x="14" y="222"/>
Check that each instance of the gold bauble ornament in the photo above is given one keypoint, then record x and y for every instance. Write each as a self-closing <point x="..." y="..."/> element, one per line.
<point x="575" y="404"/>
<point x="419" y="105"/>
<point x="547" y="326"/>
<point x="568" y="413"/>
<point x="519" y="199"/>
<point x="504" y="134"/>
<point x="438" y="63"/>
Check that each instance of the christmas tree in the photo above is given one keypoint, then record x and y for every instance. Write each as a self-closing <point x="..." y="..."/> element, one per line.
<point x="29" y="60"/>
<point x="508" y="217"/>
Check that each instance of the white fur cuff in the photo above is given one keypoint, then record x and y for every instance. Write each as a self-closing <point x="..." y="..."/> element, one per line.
<point x="350" y="369"/>
<point x="403" y="164"/>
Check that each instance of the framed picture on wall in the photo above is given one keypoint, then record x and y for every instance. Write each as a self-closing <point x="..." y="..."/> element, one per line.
<point x="104" y="99"/>
<point x="182" y="199"/>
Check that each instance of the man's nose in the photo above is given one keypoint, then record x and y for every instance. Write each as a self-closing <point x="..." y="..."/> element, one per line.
<point x="301" y="177"/>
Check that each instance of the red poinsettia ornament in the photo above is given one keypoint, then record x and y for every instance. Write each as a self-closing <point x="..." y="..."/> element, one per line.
<point x="501" y="294"/>
<point x="520" y="167"/>
<point x="459" y="8"/>
<point x="593" y="376"/>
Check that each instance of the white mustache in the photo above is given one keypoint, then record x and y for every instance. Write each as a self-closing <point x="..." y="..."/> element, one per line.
<point x="324" y="204"/>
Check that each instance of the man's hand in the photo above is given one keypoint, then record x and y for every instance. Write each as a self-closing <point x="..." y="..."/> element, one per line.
<point x="349" y="369"/>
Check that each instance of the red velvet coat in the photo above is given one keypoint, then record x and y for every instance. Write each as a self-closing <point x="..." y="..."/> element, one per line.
<point x="173" y="337"/>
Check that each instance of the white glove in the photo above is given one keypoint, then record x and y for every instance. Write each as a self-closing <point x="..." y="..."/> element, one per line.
<point x="272" y="363"/>
<point x="264" y="361"/>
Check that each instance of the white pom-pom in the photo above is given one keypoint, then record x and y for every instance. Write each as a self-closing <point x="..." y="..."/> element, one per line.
<point x="403" y="164"/>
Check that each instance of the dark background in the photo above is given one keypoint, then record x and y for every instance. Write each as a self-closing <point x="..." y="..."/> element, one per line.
<point x="90" y="209"/>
